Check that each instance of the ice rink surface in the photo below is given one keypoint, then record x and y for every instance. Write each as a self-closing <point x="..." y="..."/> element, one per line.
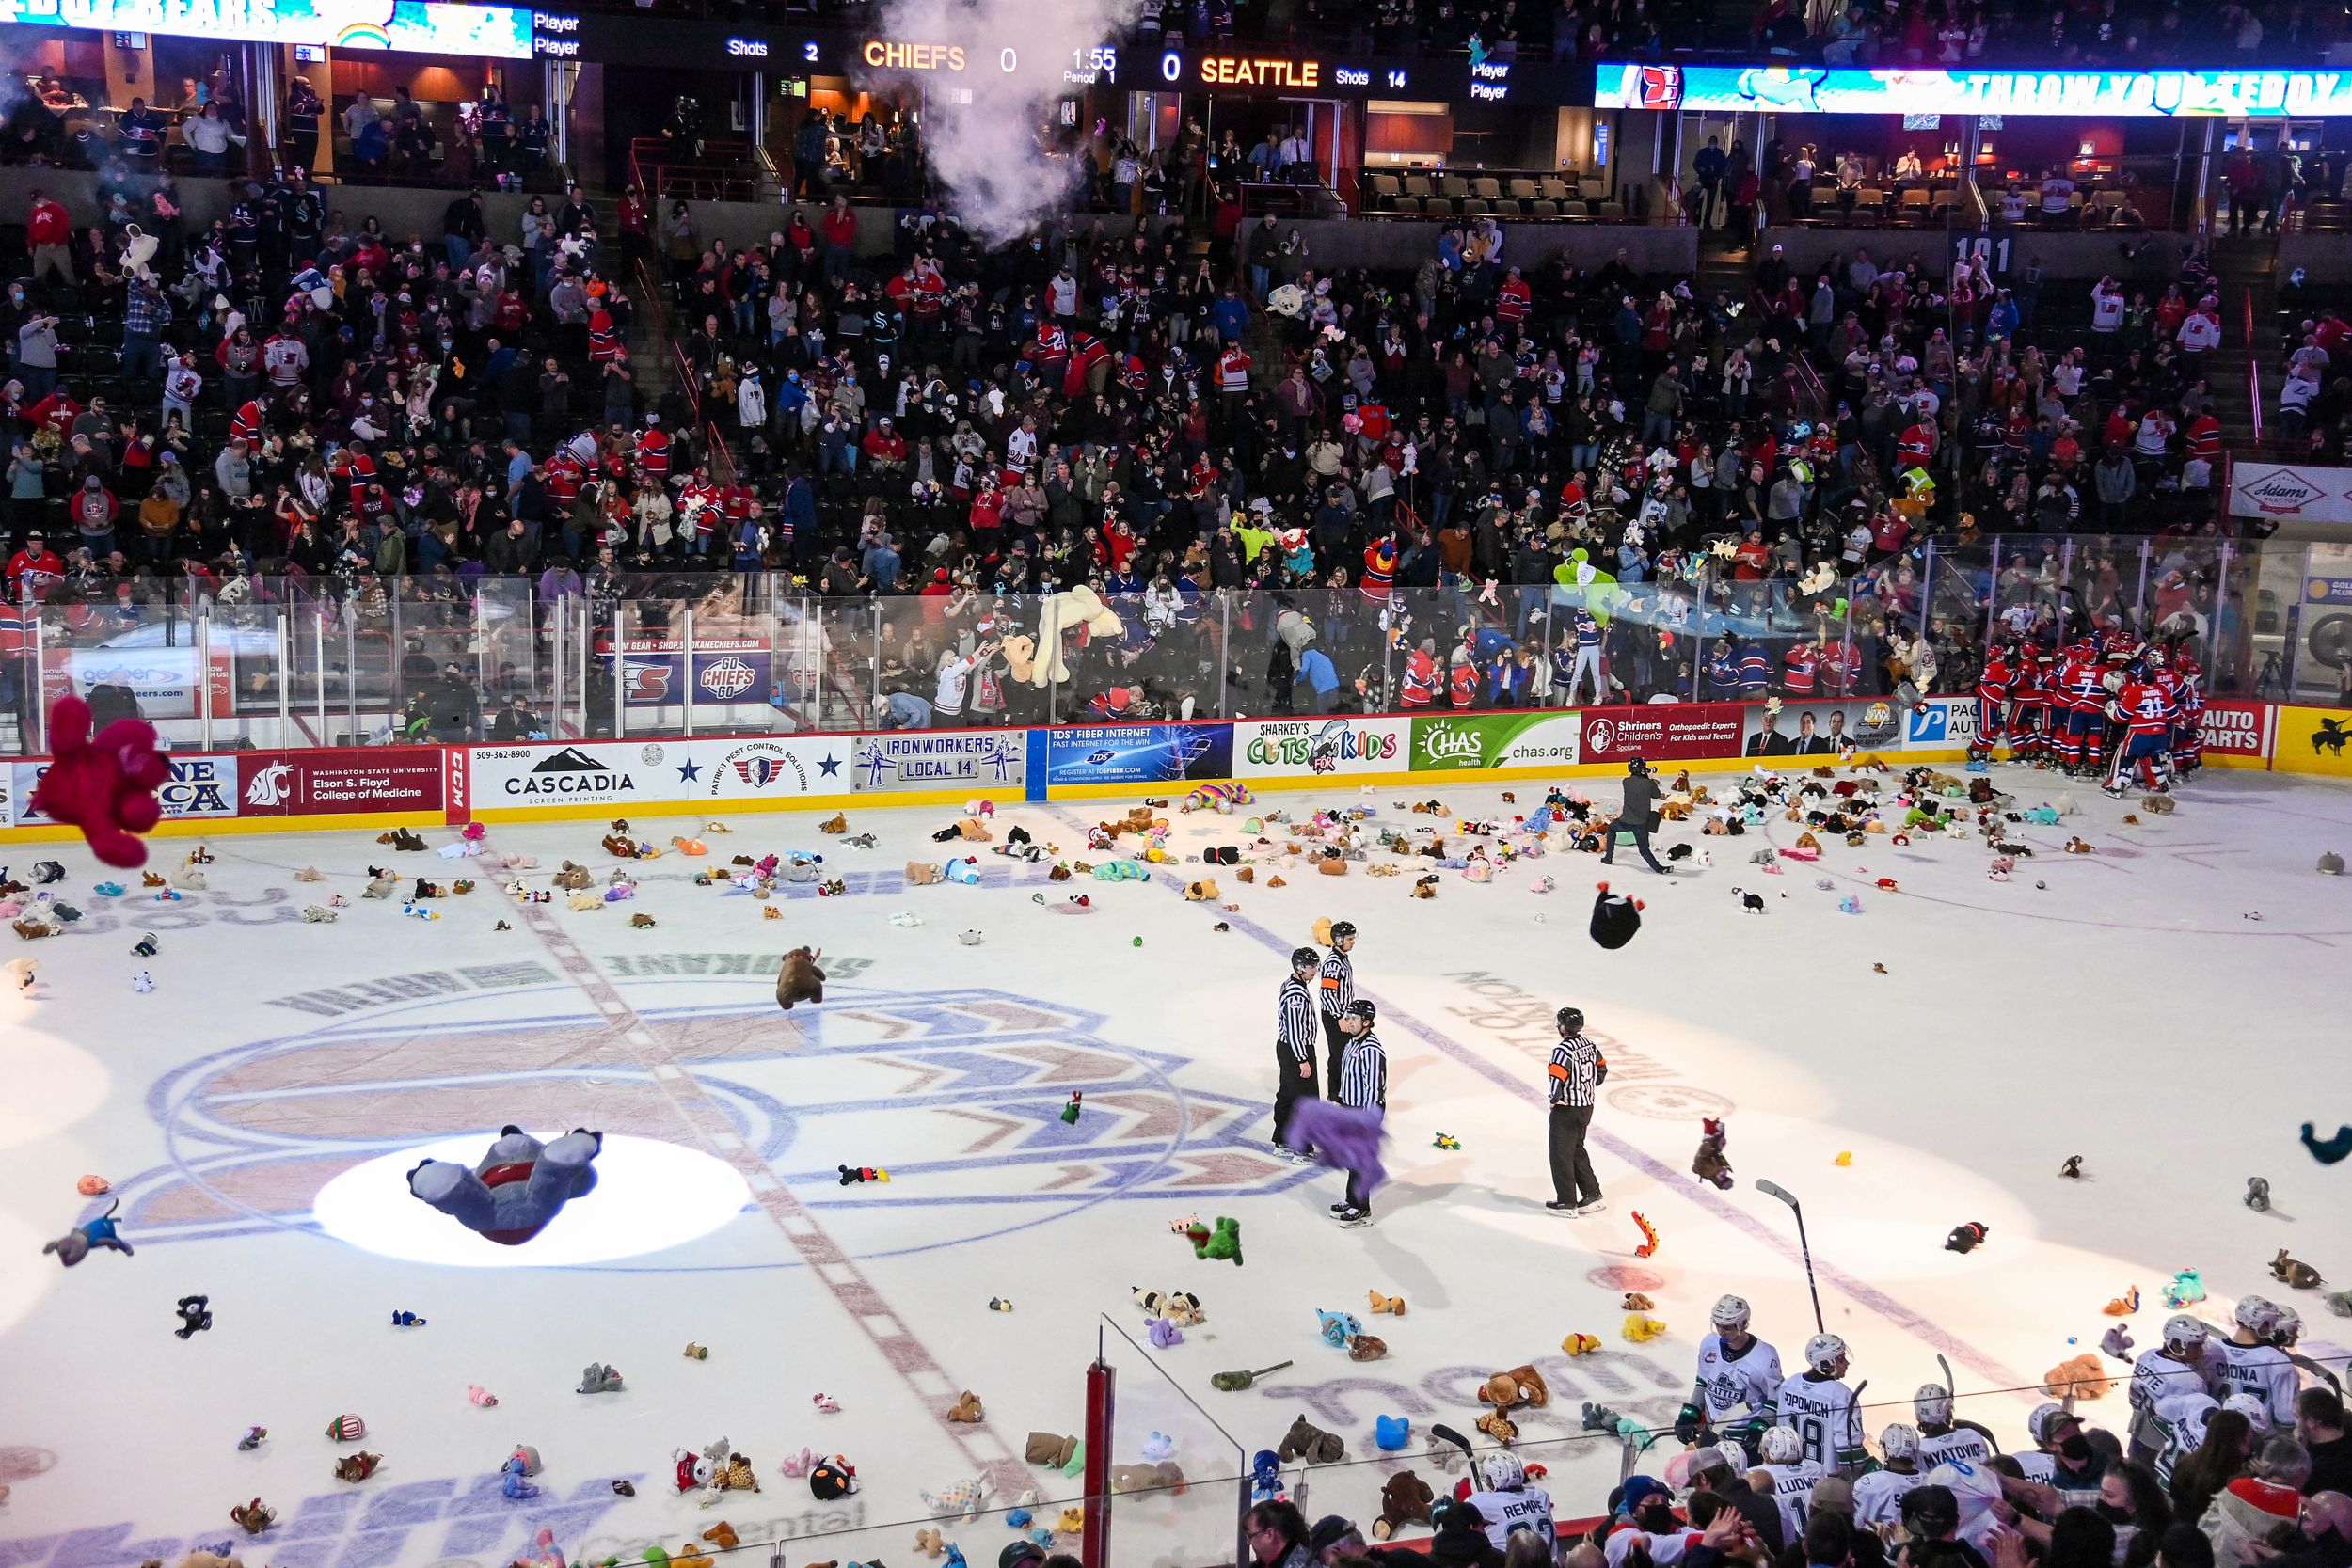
<point x="258" y="1110"/>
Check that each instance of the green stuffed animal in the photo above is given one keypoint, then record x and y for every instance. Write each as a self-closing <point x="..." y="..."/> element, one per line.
<point x="1225" y="1241"/>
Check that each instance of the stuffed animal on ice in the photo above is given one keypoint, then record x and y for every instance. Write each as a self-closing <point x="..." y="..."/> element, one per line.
<point x="800" y="979"/>
<point x="519" y="1186"/>
<point x="1074" y="609"/>
<point x="1217" y="797"/>
<point x="1710" y="1165"/>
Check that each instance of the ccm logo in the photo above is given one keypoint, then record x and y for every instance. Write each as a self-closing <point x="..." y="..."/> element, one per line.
<point x="747" y="48"/>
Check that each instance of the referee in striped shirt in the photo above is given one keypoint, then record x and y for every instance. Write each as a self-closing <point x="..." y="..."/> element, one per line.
<point x="1578" y="1068"/>
<point x="1337" y="982"/>
<point x="1362" y="1085"/>
<point x="1294" y="1048"/>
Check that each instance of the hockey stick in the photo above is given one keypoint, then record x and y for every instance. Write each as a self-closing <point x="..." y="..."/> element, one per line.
<point x="1443" y="1433"/>
<point x="1854" y="1424"/>
<point x="1773" y="1189"/>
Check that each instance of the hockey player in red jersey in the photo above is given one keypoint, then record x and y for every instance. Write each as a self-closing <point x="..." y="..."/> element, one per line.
<point x="2141" y="706"/>
<point x="1993" y="688"/>
<point x="2029" y="708"/>
<point x="2188" y="713"/>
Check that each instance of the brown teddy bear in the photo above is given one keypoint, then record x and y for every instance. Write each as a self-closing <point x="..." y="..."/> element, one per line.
<point x="2081" y="1376"/>
<point x="1332" y="864"/>
<point x="974" y="831"/>
<point x="1200" y="892"/>
<point x="1307" y="1441"/>
<point x="921" y="874"/>
<point x="800" y="979"/>
<point x="572" y="877"/>
<point x="1517" y="1386"/>
<point x="1405" y="1500"/>
<point x="836" y="823"/>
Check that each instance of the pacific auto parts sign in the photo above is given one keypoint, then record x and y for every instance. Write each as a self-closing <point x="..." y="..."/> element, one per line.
<point x="2235" y="729"/>
<point x="1662" y="730"/>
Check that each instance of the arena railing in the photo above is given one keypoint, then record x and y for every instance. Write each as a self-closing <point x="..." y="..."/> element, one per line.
<point x="293" y="661"/>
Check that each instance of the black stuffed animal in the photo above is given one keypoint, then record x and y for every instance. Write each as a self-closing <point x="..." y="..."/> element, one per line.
<point x="1615" y="918"/>
<point x="1964" y="1239"/>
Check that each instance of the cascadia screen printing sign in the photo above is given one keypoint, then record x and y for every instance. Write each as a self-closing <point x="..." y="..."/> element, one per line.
<point x="1287" y="748"/>
<point x="1818" y="90"/>
<point x="620" y="772"/>
<point x="996" y="758"/>
<point x="202" y="785"/>
<point x="416" y="27"/>
<point x="1547" y="740"/>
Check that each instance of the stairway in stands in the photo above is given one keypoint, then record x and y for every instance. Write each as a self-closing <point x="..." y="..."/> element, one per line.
<point x="2246" y="267"/>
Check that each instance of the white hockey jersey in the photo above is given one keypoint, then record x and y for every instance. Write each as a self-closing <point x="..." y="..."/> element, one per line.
<point x="1748" y="1383"/>
<point x="2156" y="1378"/>
<point x="1792" y="1493"/>
<point x="2264" y="1372"/>
<point x="1963" y="1444"/>
<point x="1529" y="1507"/>
<point x="1826" y="1421"/>
<point x="1878" y="1497"/>
<point x="2181" y="1417"/>
<point x="1975" y="1488"/>
<point x="1664" y="1550"/>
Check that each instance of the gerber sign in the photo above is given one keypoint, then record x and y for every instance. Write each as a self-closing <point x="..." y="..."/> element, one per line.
<point x="1291" y="748"/>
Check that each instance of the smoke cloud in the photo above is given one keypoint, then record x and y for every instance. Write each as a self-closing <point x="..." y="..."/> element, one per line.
<point x="982" y="123"/>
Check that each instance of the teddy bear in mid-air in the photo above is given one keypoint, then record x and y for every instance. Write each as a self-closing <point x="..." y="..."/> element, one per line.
<point x="520" y="1186"/>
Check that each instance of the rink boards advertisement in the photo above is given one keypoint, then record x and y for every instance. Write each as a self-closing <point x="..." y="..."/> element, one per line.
<point x="1452" y="743"/>
<point x="1822" y="729"/>
<point x="393" y="786"/>
<point x="1133" y="754"/>
<point x="303" y="783"/>
<point x="202" y="784"/>
<point x="1338" y="745"/>
<point x="995" y="761"/>
<point x="657" y="772"/>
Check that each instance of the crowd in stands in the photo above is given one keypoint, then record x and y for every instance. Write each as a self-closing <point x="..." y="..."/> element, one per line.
<point x="1476" y="483"/>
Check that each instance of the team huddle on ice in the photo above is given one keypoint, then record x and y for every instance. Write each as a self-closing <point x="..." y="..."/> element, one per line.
<point x="2103" y="707"/>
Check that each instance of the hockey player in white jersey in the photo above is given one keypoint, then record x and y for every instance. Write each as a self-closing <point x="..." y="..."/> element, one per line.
<point x="2187" y="1416"/>
<point x="1878" y="1497"/>
<point x="2187" y="1363"/>
<point x="1822" y="1408"/>
<point x="1509" y="1501"/>
<point x="1793" y="1476"/>
<point x="2252" y="1363"/>
<point x="1739" y="1374"/>
<point x="1941" y="1435"/>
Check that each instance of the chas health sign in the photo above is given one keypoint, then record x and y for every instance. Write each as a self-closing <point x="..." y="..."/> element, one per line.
<point x="1544" y="739"/>
<point x="1292" y="748"/>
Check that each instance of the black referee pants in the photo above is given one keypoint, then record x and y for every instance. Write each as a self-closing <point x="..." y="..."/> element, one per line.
<point x="1289" y="1089"/>
<point x="1337" y="1044"/>
<point x="1572" y="1177"/>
